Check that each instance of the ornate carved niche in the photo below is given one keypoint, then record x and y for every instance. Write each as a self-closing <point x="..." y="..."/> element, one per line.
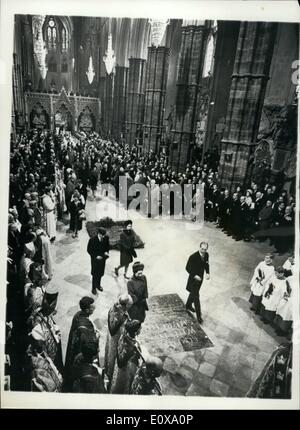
<point x="39" y="117"/>
<point x="86" y="120"/>
<point x="63" y="99"/>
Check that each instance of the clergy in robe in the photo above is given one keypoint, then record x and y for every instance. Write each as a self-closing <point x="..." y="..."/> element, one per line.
<point x="283" y="320"/>
<point x="87" y="374"/>
<point x="48" y="201"/>
<point x="138" y="290"/>
<point x="289" y="265"/>
<point x="262" y="274"/>
<point x="42" y="323"/>
<point x="43" y="251"/>
<point x="34" y="290"/>
<point x="117" y="316"/>
<point x="272" y="295"/>
<point x="128" y="358"/>
<point x="42" y="374"/>
<point x="145" y="381"/>
<point x="274" y="381"/>
<point x="82" y="330"/>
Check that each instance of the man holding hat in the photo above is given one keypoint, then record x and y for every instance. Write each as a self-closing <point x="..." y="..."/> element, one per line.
<point x="127" y="251"/>
<point x="138" y="290"/>
<point x="98" y="248"/>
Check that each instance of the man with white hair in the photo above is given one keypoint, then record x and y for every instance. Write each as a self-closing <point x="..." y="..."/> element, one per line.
<point x="117" y="316"/>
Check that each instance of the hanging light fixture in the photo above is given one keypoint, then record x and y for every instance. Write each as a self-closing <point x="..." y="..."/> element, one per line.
<point x="158" y="28"/>
<point x="109" y="57"/>
<point x="39" y="49"/>
<point x="90" y="72"/>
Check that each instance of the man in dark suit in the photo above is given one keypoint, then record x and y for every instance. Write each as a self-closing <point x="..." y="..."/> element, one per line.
<point x="98" y="248"/>
<point x="196" y="265"/>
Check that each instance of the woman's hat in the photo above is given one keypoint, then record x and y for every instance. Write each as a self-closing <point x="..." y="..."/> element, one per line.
<point x="128" y="222"/>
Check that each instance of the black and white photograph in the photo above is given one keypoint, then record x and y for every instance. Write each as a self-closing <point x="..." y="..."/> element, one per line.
<point x="150" y="224"/>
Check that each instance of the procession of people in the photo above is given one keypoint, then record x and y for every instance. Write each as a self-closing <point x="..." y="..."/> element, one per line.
<point x="49" y="180"/>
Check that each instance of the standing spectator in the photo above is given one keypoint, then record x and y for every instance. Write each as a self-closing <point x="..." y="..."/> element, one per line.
<point x="138" y="290"/>
<point x="128" y="358"/>
<point x="98" y="249"/>
<point x="76" y="215"/>
<point x="117" y="316"/>
<point x="49" y="207"/>
<point x="82" y="331"/>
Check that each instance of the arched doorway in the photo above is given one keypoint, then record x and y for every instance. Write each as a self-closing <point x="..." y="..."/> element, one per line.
<point x="63" y="118"/>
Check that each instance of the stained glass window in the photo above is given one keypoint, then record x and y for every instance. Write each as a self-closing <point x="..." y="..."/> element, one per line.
<point x="51" y="34"/>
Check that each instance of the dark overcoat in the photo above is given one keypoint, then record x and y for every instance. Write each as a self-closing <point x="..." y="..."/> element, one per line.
<point x="127" y="248"/>
<point x="98" y="248"/>
<point x="138" y="290"/>
<point x="196" y="265"/>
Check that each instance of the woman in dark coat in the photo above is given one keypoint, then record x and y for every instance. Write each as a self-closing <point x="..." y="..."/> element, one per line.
<point x="76" y="211"/>
<point x="138" y="290"/>
<point x="126" y="248"/>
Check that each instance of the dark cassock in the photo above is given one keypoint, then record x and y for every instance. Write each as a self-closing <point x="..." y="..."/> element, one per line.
<point x="87" y="374"/>
<point x="82" y="331"/>
<point x="128" y="358"/>
<point x="98" y="249"/>
<point x="196" y="265"/>
<point x="117" y="316"/>
<point x="274" y="381"/>
<point x="138" y="290"/>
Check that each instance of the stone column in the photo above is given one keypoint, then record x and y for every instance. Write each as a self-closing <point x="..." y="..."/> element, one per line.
<point x="135" y="100"/>
<point x="247" y="92"/>
<point x="119" y="101"/>
<point x="108" y="104"/>
<point x="155" y="91"/>
<point x="192" y="53"/>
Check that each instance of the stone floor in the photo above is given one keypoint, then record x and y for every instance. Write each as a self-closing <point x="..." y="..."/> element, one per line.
<point x="242" y="343"/>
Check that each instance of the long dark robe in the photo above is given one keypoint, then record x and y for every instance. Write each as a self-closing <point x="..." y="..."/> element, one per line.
<point x="82" y="330"/>
<point x="87" y="377"/>
<point x="274" y="381"/>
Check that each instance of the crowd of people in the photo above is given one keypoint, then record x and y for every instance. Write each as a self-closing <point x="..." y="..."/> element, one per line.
<point x="50" y="174"/>
<point x="254" y="212"/>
